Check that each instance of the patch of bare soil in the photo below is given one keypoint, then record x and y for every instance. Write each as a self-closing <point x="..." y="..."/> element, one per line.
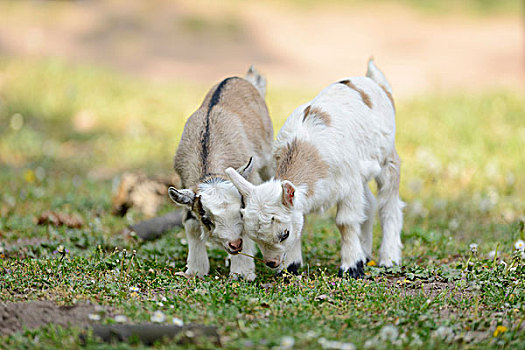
<point x="15" y="316"/>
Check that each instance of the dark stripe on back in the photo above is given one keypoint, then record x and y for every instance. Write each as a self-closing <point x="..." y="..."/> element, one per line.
<point x="205" y="138"/>
<point x="364" y="96"/>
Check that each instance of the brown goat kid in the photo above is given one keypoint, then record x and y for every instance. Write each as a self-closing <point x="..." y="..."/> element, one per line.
<point x="231" y="128"/>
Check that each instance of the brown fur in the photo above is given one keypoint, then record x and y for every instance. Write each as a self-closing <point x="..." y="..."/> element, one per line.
<point x="389" y="95"/>
<point x="300" y="163"/>
<point x="317" y="113"/>
<point x="366" y="99"/>
<point x="239" y="127"/>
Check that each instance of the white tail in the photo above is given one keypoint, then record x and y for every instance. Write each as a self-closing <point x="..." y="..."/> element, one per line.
<point x="376" y="75"/>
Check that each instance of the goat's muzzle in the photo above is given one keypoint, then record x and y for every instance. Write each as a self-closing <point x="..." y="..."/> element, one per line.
<point x="235" y="246"/>
<point x="271" y="263"/>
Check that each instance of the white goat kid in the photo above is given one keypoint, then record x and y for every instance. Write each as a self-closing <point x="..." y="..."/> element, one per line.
<point x="231" y="126"/>
<point x="326" y="153"/>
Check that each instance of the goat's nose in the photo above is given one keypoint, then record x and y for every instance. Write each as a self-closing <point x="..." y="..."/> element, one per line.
<point x="272" y="263"/>
<point x="235" y="246"/>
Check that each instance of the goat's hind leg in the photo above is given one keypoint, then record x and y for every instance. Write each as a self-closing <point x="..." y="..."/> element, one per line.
<point x="390" y="211"/>
<point x="350" y="216"/>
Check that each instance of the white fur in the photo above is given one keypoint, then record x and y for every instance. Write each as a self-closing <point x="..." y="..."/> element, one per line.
<point x="223" y="201"/>
<point x="357" y="145"/>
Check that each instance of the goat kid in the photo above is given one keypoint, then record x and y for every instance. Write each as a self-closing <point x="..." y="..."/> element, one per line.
<point x="231" y="127"/>
<point x="326" y="153"/>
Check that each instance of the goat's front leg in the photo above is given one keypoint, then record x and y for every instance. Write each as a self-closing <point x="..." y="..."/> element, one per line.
<point x="242" y="265"/>
<point x="368" y="225"/>
<point x="294" y="258"/>
<point x="349" y="218"/>
<point x="197" y="262"/>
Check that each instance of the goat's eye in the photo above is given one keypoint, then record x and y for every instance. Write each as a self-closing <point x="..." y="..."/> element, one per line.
<point x="207" y="222"/>
<point x="284" y="235"/>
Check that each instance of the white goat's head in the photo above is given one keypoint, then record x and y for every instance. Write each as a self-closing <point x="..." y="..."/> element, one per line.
<point x="216" y="205"/>
<point x="272" y="216"/>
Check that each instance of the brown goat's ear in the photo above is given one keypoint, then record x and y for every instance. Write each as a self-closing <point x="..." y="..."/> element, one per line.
<point x="246" y="169"/>
<point x="288" y="198"/>
<point x="183" y="197"/>
<point x="254" y="77"/>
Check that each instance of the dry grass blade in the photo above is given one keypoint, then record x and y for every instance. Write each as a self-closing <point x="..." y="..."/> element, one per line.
<point x="251" y="256"/>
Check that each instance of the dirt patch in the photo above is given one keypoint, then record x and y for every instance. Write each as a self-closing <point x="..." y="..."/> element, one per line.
<point x="15" y="316"/>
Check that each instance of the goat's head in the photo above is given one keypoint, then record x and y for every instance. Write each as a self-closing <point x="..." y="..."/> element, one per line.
<point x="217" y="206"/>
<point x="272" y="217"/>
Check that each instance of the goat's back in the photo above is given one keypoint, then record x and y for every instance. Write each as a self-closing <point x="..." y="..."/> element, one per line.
<point x="230" y="126"/>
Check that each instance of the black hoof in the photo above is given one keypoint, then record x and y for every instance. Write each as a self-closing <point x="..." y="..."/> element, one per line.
<point x="355" y="272"/>
<point x="293" y="268"/>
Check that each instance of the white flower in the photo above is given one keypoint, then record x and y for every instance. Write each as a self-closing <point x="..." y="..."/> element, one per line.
<point x="473" y="247"/>
<point x="347" y="346"/>
<point x="389" y="333"/>
<point x="370" y="343"/>
<point x="287" y="342"/>
<point x="120" y="319"/>
<point x="158" y="317"/>
<point x="310" y="334"/>
<point x="94" y="317"/>
<point x="453" y="224"/>
<point x="334" y="344"/>
<point x="161" y="304"/>
<point x="492" y="254"/>
<point x="443" y="333"/>
<point x="519" y="245"/>
<point x="134" y="289"/>
<point x="177" y="322"/>
<point x="416" y="341"/>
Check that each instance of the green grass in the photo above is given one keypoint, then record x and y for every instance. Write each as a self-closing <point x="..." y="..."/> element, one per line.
<point x="66" y="131"/>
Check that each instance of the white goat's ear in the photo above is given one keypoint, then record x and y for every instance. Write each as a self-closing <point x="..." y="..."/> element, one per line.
<point x="288" y="193"/>
<point x="183" y="197"/>
<point x="246" y="169"/>
<point x="244" y="186"/>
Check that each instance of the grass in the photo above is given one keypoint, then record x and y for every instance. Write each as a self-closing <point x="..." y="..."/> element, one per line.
<point x="67" y="131"/>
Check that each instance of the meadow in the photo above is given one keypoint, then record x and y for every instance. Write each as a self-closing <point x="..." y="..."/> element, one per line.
<point x="67" y="131"/>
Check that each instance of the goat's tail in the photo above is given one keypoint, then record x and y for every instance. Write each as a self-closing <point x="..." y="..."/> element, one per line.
<point x="256" y="79"/>
<point x="376" y="75"/>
